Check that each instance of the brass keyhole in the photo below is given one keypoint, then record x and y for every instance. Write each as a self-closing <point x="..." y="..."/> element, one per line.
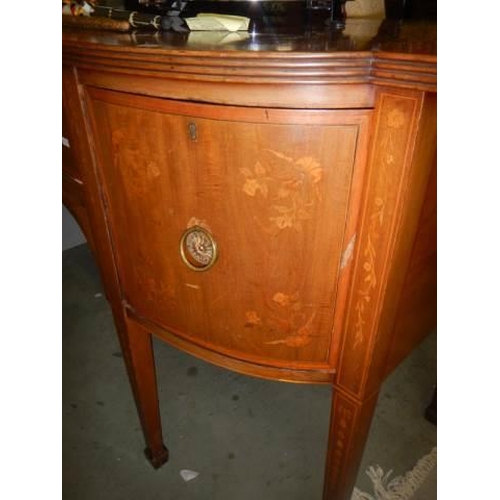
<point x="193" y="131"/>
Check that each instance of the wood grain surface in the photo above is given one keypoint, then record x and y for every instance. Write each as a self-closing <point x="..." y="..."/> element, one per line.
<point x="271" y="186"/>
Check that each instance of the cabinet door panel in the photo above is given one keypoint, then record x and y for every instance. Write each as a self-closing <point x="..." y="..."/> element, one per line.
<point x="270" y="187"/>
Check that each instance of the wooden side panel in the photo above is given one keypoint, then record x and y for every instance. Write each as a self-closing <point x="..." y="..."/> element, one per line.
<point x="73" y="195"/>
<point x="417" y="310"/>
<point x="82" y="196"/>
<point x="271" y="187"/>
<point x="70" y="106"/>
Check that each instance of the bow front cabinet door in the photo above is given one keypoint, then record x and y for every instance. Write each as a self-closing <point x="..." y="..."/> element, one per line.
<point x="228" y="224"/>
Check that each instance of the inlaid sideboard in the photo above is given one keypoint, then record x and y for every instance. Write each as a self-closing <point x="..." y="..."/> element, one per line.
<point x="265" y="202"/>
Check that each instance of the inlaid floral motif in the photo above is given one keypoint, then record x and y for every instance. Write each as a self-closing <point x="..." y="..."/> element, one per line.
<point x="343" y="418"/>
<point x="395" y="118"/>
<point x="370" y="276"/>
<point x="129" y="157"/>
<point x="252" y="319"/>
<point x="289" y="317"/>
<point x="290" y="187"/>
<point x="194" y="221"/>
<point x="292" y="320"/>
<point x="282" y="299"/>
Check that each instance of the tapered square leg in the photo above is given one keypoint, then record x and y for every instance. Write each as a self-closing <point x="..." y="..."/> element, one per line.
<point x="138" y="354"/>
<point x="158" y="459"/>
<point x="349" y="426"/>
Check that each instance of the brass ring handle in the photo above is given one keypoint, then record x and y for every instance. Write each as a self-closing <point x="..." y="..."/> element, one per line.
<point x="198" y="249"/>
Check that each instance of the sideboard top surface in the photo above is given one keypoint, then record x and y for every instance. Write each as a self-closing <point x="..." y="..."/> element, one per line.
<point x="409" y="38"/>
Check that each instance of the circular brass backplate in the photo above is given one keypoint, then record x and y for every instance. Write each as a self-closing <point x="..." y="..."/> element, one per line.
<point x="198" y="249"/>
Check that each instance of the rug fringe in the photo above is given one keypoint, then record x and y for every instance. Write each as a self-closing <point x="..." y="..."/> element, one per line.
<point x="400" y="487"/>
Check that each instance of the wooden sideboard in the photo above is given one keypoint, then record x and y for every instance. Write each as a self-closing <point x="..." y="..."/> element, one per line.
<point x="266" y="203"/>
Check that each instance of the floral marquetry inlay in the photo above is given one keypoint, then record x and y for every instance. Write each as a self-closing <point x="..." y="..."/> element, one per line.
<point x="369" y="271"/>
<point x="290" y="317"/>
<point x="380" y="232"/>
<point x="343" y="419"/>
<point x="394" y="121"/>
<point x="289" y="186"/>
<point x="395" y="118"/>
<point x="252" y="319"/>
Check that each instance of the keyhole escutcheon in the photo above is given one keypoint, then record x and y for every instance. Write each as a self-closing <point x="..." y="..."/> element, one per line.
<point x="193" y="131"/>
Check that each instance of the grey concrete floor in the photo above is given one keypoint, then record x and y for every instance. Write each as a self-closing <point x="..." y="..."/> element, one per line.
<point x="246" y="437"/>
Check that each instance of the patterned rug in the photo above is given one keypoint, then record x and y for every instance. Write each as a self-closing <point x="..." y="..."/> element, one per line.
<point x="400" y="487"/>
